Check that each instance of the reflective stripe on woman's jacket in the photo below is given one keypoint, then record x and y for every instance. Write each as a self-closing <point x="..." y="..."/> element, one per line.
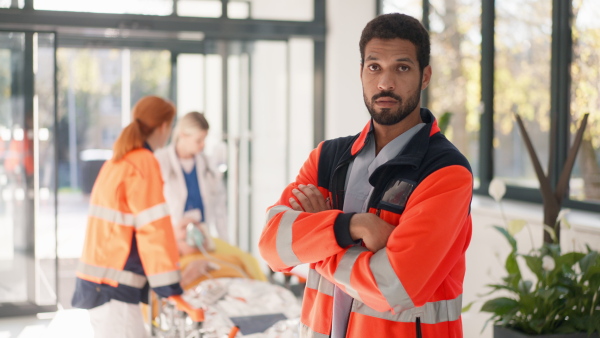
<point x="129" y="241"/>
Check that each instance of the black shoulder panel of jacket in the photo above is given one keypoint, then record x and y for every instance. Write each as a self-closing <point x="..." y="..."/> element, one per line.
<point x="333" y="152"/>
<point x="441" y="153"/>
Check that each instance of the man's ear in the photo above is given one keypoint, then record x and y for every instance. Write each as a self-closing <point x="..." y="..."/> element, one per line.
<point x="426" y="77"/>
<point x="361" y="69"/>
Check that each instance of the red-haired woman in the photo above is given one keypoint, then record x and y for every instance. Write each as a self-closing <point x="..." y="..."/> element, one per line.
<point x="129" y="243"/>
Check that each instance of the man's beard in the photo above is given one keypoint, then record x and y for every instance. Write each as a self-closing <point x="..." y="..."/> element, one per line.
<point x="386" y="116"/>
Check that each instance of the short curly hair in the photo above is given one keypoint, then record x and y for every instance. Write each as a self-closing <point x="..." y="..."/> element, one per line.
<point x="396" y="25"/>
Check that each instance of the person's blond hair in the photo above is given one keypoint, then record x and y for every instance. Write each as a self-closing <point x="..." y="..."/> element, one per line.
<point x="193" y="121"/>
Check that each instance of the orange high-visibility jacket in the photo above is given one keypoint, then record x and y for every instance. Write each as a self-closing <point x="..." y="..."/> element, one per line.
<point x="412" y="287"/>
<point x="129" y="241"/>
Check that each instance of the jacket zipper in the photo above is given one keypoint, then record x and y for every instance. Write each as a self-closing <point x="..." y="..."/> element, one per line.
<point x="338" y="189"/>
<point x="418" y="326"/>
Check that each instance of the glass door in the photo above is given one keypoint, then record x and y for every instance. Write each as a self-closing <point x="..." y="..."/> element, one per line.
<point x="28" y="264"/>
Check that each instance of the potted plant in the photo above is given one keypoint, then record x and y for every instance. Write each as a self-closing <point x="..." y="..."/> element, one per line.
<point x="562" y="299"/>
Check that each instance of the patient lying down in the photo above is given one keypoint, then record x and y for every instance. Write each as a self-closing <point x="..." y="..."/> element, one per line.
<point x="203" y="257"/>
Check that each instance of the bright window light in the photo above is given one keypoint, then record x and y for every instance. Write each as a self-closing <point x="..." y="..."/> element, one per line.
<point x="147" y="7"/>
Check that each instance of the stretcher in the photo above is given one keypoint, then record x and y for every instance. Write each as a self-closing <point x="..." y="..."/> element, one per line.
<point x="228" y="307"/>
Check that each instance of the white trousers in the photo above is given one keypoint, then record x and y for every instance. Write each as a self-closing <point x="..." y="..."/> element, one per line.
<point x="118" y="319"/>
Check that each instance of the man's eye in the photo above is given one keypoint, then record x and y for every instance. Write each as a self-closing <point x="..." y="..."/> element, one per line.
<point x="403" y="68"/>
<point x="373" y="67"/>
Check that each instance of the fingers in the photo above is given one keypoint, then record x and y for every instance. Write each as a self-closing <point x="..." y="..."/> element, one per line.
<point x="295" y="205"/>
<point x="303" y="198"/>
<point x="309" y="199"/>
<point x="316" y="197"/>
<point x="373" y="231"/>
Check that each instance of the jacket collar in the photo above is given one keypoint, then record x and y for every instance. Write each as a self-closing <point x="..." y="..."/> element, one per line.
<point x="431" y="128"/>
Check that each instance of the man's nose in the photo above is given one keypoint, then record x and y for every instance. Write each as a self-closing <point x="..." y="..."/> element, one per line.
<point x="386" y="82"/>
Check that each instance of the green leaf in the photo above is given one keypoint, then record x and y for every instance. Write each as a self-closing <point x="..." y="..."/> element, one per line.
<point x="511" y="265"/>
<point x="535" y="265"/>
<point x="516" y="225"/>
<point x="552" y="233"/>
<point x="592" y="272"/>
<point x="537" y="325"/>
<point x="525" y="286"/>
<point x="588" y="261"/>
<point x="547" y="294"/>
<point x="569" y="258"/>
<point x="467" y="307"/>
<point x="444" y="121"/>
<point x="562" y="290"/>
<point x="596" y="319"/>
<point x="552" y="249"/>
<point x="511" y="240"/>
<point x="496" y="287"/>
<point x="500" y="306"/>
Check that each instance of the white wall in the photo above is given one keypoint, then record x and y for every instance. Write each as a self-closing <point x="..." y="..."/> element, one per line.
<point x="345" y="111"/>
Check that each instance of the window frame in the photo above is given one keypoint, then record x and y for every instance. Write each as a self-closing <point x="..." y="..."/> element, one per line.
<point x="560" y="91"/>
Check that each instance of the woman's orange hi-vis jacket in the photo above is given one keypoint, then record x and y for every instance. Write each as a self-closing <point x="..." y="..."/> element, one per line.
<point x="129" y="243"/>
<point x="412" y="287"/>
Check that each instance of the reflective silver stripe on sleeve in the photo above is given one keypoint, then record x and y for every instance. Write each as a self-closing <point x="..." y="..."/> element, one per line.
<point x="307" y="332"/>
<point x="111" y="215"/>
<point x="430" y="313"/>
<point x="151" y="214"/>
<point x="317" y="282"/>
<point x="165" y="278"/>
<point x="284" y="238"/>
<point x="122" y="277"/>
<point x="344" y="270"/>
<point x="388" y="282"/>
<point x="275" y="210"/>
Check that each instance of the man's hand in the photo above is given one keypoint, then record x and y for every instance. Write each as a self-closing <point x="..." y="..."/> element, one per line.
<point x="373" y="231"/>
<point x="309" y="199"/>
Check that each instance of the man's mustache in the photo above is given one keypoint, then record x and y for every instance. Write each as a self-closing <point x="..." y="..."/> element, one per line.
<point x="386" y="94"/>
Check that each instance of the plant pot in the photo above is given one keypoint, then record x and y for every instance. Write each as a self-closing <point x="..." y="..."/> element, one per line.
<point x="504" y="332"/>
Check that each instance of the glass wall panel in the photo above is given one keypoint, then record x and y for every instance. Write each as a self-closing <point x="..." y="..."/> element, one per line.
<point x="238" y="142"/>
<point x="413" y="8"/>
<point x="281" y="120"/>
<point x="89" y="120"/>
<point x="16" y="165"/>
<point x="585" y="98"/>
<point x="190" y="83"/>
<point x="12" y="3"/>
<point x="455" y="88"/>
<point x="145" y="7"/>
<point x="44" y="167"/>
<point x="300" y="119"/>
<point x="522" y="85"/>
<point x="269" y="107"/>
<point x="200" y="8"/>
<point x="289" y="10"/>
<point x="239" y="9"/>
<point x="150" y="74"/>
<point x="27" y="168"/>
<point x="213" y="94"/>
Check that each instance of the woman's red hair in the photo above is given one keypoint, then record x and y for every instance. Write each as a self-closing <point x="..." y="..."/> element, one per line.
<point x="149" y="113"/>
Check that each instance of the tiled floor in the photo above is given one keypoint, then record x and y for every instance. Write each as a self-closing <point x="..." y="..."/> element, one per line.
<point x="72" y="323"/>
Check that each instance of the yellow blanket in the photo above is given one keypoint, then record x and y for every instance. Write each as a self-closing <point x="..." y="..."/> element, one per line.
<point x="231" y="260"/>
